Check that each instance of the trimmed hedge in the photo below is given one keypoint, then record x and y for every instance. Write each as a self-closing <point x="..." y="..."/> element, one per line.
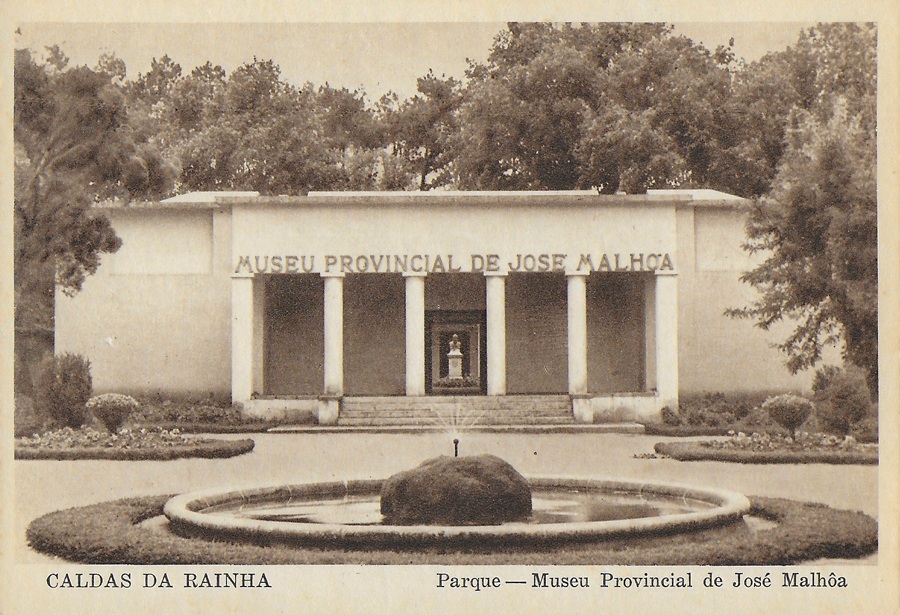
<point x="108" y="533"/>
<point x="697" y="451"/>
<point x="258" y="427"/>
<point x="684" y="431"/>
<point x="208" y="449"/>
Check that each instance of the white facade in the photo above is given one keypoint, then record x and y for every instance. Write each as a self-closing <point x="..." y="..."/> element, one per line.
<point x="616" y="301"/>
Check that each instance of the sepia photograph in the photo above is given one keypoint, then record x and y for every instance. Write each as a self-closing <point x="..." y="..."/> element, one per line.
<point x="499" y="310"/>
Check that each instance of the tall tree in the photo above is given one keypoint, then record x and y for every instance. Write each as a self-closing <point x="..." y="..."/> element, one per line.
<point x="664" y="118"/>
<point x="817" y="225"/>
<point x="423" y="127"/>
<point x="258" y="132"/>
<point x="73" y="146"/>
<point x="520" y="123"/>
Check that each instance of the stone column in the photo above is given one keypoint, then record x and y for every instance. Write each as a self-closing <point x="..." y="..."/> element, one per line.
<point x="650" y="332"/>
<point x="259" y="335"/>
<point x="242" y="346"/>
<point x="577" y="339"/>
<point x="334" y="335"/>
<point x="415" y="333"/>
<point x="495" y="298"/>
<point x="667" y="338"/>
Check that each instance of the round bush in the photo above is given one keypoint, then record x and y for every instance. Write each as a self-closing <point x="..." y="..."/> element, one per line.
<point x="843" y="399"/>
<point x="64" y="386"/>
<point x="789" y="411"/>
<point x="112" y="409"/>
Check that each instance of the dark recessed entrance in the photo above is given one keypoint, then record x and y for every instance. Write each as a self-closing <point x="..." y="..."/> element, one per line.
<point x="440" y="376"/>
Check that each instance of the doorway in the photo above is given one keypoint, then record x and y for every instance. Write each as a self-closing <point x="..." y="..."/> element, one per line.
<point x="469" y="329"/>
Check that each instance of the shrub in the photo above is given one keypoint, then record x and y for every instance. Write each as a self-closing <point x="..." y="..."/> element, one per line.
<point x="30" y="419"/>
<point x="789" y="411"/>
<point x="112" y="409"/>
<point x="866" y="430"/>
<point x="63" y="387"/>
<point x="842" y="397"/>
<point x="669" y="417"/>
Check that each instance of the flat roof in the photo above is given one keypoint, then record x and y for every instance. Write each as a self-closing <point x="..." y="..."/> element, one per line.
<point x="226" y="199"/>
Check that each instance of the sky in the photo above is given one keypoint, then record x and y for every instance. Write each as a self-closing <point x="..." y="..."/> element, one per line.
<point x="377" y="57"/>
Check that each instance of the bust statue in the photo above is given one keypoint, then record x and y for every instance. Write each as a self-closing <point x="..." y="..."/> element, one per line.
<point x="454" y="343"/>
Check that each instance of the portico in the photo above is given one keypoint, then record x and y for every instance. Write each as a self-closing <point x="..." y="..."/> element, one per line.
<point x="583" y="306"/>
<point x="566" y="301"/>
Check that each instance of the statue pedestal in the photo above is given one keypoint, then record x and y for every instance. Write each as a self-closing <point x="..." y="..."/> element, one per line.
<point x="454" y="365"/>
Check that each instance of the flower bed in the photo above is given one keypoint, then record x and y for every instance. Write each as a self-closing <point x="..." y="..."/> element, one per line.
<point x="773" y="448"/>
<point x="111" y="533"/>
<point x="125" y="444"/>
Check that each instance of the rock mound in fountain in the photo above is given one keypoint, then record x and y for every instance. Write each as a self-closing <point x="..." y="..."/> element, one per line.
<point x="477" y="490"/>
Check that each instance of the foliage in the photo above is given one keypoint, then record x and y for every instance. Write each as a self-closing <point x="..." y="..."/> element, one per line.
<point x="713" y="409"/>
<point x="251" y="130"/>
<point x="74" y="145"/>
<point x="773" y="448"/>
<point x="607" y="106"/>
<point x="789" y="411"/>
<point x="63" y="387"/>
<point x="865" y="430"/>
<point x="30" y="419"/>
<point x="522" y="117"/>
<point x="112" y="409"/>
<point x="817" y="225"/>
<point x="125" y="444"/>
<point x="87" y="437"/>
<point x="665" y="118"/>
<point x="423" y="127"/>
<point x="112" y="533"/>
<point x="466" y="382"/>
<point x="203" y="415"/>
<point x="842" y="398"/>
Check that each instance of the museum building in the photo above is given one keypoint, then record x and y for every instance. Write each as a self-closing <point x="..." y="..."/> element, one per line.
<point x="612" y="303"/>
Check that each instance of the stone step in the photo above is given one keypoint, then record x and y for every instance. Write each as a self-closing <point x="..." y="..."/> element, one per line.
<point x="495" y="420"/>
<point x="479" y="404"/>
<point x="441" y="411"/>
<point x="463" y="414"/>
<point x="462" y="418"/>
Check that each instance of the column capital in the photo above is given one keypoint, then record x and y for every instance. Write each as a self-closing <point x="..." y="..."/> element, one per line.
<point x="496" y="274"/>
<point x="332" y="274"/>
<point x="242" y="276"/>
<point x="667" y="272"/>
<point x="414" y="274"/>
<point x="577" y="274"/>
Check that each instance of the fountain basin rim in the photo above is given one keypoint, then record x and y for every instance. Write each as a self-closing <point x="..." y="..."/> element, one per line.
<point x="185" y="511"/>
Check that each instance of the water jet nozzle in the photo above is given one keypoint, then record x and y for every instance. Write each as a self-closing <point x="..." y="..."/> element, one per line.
<point x="456" y="447"/>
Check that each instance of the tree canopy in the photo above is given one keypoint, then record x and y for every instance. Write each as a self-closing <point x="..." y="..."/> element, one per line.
<point x="73" y="146"/>
<point x="817" y="225"/>
<point x="610" y="106"/>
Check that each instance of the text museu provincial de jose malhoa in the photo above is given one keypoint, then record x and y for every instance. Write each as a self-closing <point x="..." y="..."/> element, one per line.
<point x="444" y="580"/>
<point x="451" y="263"/>
<point x="646" y="580"/>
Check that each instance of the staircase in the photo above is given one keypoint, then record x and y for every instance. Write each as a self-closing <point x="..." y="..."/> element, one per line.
<point x="447" y="412"/>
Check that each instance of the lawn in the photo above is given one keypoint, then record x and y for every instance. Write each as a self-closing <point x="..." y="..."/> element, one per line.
<point x="113" y="533"/>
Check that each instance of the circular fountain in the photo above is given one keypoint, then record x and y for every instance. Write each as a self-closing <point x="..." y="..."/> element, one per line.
<point x="348" y="513"/>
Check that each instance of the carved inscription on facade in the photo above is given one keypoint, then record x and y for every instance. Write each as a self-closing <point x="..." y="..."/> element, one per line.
<point x="452" y="263"/>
